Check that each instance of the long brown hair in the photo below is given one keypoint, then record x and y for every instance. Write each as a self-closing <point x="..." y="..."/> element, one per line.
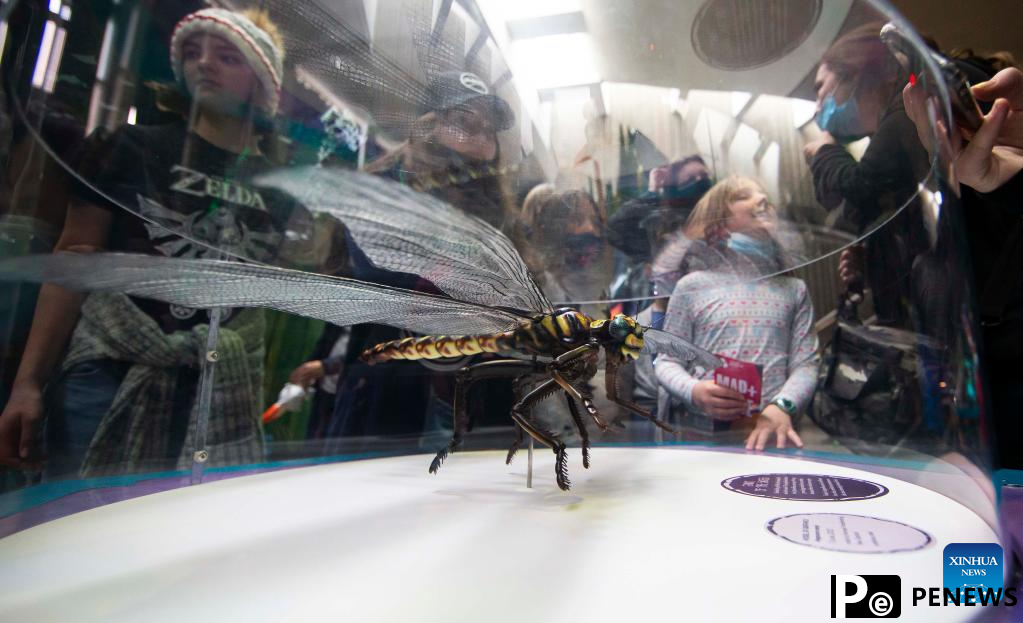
<point x="861" y="59"/>
<point x="543" y="224"/>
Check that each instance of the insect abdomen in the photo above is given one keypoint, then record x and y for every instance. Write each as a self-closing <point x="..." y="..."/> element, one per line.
<point x="437" y="347"/>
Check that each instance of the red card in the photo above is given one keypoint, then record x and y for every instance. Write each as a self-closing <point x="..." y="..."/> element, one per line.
<point x="742" y="376"/>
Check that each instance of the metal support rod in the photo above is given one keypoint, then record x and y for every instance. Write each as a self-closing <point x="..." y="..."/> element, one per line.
<point x="202" y="412"/>
<point x="529" y="468"/>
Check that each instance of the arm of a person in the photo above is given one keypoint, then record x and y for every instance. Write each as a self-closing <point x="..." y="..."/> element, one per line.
<point x="666" y="269"/>
<point x="333" y="364"/>
<point x="308" y="373"/>
<point x="803" y="359"/>
<point x="886" y="165"/>
<point x="670" y="372"/>
<point x="86" y="229"/>
<point x="706" y="397"/>
<point x="800" y="384"/>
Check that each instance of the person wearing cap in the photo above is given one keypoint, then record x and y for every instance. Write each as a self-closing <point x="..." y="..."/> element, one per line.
<point x="123" y="396"/>
<point x="453" y="151"/>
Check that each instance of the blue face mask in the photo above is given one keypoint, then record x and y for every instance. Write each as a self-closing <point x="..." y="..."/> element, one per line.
<point x="754" y="248"/>
<point x="842" y="121"/>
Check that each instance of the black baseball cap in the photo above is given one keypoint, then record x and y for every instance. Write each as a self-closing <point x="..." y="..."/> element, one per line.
<point x="452" y="88"/>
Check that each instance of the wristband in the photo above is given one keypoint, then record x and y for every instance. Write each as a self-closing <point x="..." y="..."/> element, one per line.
<point x="785" y="405"/>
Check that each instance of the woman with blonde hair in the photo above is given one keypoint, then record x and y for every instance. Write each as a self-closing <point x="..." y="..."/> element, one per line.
<point x="715" y="212"/>
<point x="740" y="307"/>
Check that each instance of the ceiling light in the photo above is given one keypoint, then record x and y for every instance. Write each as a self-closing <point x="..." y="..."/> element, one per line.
<point x="555" y="61"/>
<point x="525" y="9"/>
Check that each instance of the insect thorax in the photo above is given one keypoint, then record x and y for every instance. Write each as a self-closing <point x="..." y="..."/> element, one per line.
<point x="553" y="334"/>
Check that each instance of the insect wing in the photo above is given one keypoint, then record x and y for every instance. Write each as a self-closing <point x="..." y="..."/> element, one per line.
<point x="662" y="342"/>
<point x="202" y="283"/>
<point x="403" y="230"/>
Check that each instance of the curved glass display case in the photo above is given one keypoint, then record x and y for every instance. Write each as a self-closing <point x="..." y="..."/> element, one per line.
<point x="478" y="309"/>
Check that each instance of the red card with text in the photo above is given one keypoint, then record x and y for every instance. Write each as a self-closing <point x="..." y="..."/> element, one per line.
<point x="744" y="377"/>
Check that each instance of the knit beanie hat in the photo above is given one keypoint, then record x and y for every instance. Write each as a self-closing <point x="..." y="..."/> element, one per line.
<point x="264" y="57"/>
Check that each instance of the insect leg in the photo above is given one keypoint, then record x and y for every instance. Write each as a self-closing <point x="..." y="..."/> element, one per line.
<point x="560" y="363"/>
<point x="549" y="389"/>
<point x="463" y="380"/>
<point x="519" y="438"/>
<point x="575" y="353"/>
<point x="571" y="390"/>
<point x="521" y="414"/>
<point x="581" y="425"/>
<point x="611" y="388"/>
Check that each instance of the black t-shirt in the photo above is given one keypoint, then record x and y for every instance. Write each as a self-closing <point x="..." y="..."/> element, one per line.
<point x="186" y="190"/>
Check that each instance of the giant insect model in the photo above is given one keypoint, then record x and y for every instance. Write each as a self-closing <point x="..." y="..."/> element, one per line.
<point x="490" y="302"/>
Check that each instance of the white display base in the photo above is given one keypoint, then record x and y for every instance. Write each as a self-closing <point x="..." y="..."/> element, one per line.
<point x="644" y="535"/>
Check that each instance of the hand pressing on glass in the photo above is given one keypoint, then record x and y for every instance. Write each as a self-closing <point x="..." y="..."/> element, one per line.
<point x="773" y="421"/>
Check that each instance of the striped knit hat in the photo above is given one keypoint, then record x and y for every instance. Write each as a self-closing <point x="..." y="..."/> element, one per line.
<point x="264" y="57"/>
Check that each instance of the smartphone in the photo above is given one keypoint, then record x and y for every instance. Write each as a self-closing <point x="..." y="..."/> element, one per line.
<point x="965" y="110"/>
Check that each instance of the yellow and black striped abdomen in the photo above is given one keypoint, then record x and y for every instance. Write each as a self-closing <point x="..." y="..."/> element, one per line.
<point x="439" y="347"/>
<point x="548" y="335"/>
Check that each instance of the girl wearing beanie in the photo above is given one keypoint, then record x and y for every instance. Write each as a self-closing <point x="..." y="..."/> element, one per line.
<point x="115" y="378"/>
<point x="230" y="64"/>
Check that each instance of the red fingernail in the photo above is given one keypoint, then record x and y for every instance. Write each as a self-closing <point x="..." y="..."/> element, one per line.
<point x="912" y="79"/>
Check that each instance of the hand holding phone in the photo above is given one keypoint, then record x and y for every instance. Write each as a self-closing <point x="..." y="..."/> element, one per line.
<point x="965" y="110"/>
<point x="990" y="158"/>
<point x="1006" y="85"/>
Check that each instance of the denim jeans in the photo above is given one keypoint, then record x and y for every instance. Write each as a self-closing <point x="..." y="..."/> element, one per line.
<point x="80" y="400"/>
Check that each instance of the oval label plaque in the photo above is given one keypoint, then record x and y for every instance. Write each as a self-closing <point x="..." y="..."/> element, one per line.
<point x="805" y="487"/>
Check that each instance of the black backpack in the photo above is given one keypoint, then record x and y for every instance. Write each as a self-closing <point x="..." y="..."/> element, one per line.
<point x="870" y="389"/>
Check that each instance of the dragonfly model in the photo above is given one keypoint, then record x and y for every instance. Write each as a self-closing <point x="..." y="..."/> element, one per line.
<point x="488" y="301"/>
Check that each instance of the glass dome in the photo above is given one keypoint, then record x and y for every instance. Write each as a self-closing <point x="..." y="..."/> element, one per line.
<point x="692" y="261"/>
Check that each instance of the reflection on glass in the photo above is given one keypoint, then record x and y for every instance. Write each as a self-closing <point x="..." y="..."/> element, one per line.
<point x="451" y="169"/>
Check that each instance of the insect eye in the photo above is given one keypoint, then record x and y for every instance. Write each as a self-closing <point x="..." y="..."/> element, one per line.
<point x="619" y="328"/>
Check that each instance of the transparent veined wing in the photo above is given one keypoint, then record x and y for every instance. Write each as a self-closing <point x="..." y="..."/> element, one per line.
<point x="403" y="230"/>
<point x="658" y="341"/>
<point x="201" y="283"/>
